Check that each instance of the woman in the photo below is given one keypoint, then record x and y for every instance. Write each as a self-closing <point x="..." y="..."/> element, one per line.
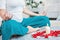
<point x="13" y="22"/>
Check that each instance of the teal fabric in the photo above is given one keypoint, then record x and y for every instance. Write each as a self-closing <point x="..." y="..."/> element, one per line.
<point x="12" y="27"/>
<point x="37" y="21"/>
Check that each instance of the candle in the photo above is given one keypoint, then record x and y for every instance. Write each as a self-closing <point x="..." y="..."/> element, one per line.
<point x="47" y="29"/>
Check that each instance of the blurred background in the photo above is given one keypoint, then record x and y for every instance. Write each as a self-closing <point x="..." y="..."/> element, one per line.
<point x="53" y="8"/>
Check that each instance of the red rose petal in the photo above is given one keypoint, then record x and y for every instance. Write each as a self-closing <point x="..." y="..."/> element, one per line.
<point x="34" y="36"/>
<point x="46" y="36"/>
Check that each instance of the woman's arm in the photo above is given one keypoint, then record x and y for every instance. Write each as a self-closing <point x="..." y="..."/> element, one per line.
<point x="2" y="7"/>
<point x="27" y="11"/>
<point x="3" y="12"/>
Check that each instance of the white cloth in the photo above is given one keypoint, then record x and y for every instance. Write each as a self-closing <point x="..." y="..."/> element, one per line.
<point x="15" y="7"/>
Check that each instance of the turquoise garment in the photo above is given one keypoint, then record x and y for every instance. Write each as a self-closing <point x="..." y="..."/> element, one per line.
<point x="36" y="21"/>
<point x="12" y="27"/>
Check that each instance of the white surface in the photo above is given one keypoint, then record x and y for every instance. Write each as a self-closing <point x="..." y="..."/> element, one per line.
<point x="55" y="23"/>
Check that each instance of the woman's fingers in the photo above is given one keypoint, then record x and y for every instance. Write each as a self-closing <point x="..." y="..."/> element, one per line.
<point x="7" y="16"/>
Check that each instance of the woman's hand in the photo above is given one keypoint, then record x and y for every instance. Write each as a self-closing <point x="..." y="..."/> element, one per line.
<point x="5" y="15"/>
<point x="42" y="14"/>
